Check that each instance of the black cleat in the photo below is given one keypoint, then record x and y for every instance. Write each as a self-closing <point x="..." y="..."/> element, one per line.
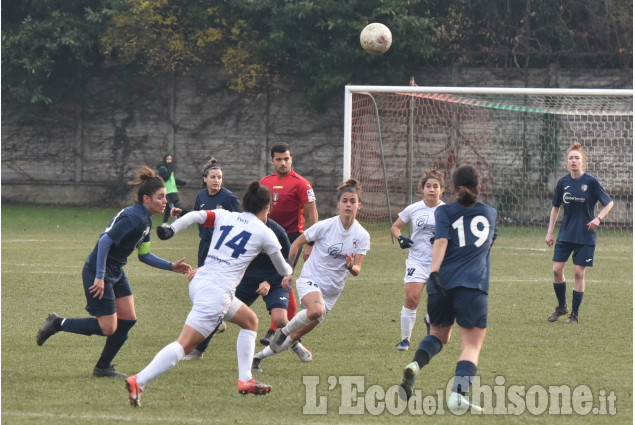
<point x="560" y="311"/>
<point x="108" y="372"/>
<point x="47" y="330"/>
<point x="573" y="318"/>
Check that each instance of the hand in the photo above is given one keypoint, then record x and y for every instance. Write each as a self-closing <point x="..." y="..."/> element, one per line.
<point x="405" y="242"/>
<point x="191" y="274"/>
<point x="181" y="267"/>
<point x="435" y="280"/>
<point x="287" y="282"/>
<point x="175" y="212"/>
<point x="97" y="289"/>
<point x="165" y="231"/>
<point x="549" y="239"/>
<point x="263" y="288"/>
<point x="593" y="224"/>
<point x="350" y="261"/>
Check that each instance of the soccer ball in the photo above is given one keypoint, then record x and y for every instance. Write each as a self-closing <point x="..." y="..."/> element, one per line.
<point x="375" y="38"/>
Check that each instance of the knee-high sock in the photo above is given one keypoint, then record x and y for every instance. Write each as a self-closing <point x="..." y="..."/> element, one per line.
<point x="83" y="326"/>
<point x="561" y="293"/>
<point x="267" y="352"/>
<point x="245" y="346"/>
<point x="408" y="319"/>
<point x="577" y="300"/>
<point x="298" y="322"/>
<point x="464" y="375"/>
<point x="114" y="342"/>
<point x="162" y="362"/>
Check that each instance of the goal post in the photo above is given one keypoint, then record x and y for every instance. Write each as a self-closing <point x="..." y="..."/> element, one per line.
<point x="516" y="137"/>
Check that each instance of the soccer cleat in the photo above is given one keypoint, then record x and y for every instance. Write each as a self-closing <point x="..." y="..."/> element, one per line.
<point x="459" y="404"/>
<point x="108" y="372"/>
<point x="193" y="355"/>
<point x="573" y="318"/>
<point x="408" y="378"/>
<point x="560" y="311"/>
<point x="403" y="345"/>
<point x="277" y="341"/>
<point x="301" y="351"/>
<point x="266" y="340"/>
<point x="47" y="330"/>
<point x="253" y="387"/>
<point x="134" y="391"/>
<point x="255" y="365"/>
<point x="426" y="319"/>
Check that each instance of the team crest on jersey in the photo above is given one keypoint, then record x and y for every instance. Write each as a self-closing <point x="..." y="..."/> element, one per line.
<point x="355" y="242"/>
<point x="275" y="197"/>
<point x="584" y="187"/>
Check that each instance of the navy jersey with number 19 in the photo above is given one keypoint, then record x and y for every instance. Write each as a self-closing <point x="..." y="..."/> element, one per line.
<point x="470" y="233"/>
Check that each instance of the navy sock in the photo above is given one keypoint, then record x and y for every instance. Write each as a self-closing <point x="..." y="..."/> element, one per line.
<point x="84" y="326"/>
<point x="577" y="300"/>
<point x="114" y="342"/>
<point x="561" y="293"/>
<point x="429" y="347"/>
<point x="203" y="345"/>
<point x="464" y="375"/>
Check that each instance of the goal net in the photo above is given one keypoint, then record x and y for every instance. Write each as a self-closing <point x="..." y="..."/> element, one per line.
<point x="517" y="138"/>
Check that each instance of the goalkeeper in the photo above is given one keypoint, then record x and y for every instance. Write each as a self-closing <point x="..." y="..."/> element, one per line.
<point x="421" y="215"/>
<point x="458" y="285"/>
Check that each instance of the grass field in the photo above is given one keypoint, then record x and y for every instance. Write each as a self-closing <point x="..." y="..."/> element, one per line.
<point x="43" y="250"/>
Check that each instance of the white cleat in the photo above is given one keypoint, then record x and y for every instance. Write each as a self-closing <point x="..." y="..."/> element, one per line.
<point x="459" y="404"/>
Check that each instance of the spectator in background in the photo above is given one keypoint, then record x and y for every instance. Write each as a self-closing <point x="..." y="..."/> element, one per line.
<point x="292" y="197"/>
<point x="166" y="171"/>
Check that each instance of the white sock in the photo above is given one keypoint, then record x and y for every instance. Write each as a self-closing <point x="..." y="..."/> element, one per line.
<point x="408" y="319"/>
<point x="299" y="321"/>
<point x="162" y="362"/>
<point x="245" y="346"/>
<point x="264" y="354"/>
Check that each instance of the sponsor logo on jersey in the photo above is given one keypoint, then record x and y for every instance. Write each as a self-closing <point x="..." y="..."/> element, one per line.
<point x="567" y="197"/>
<point x="278" y="187"/>
<point x="567" y="187"/>
<point x="335" y="251"/>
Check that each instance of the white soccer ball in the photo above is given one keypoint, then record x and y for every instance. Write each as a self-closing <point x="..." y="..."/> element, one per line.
<point x="375" y="38"/>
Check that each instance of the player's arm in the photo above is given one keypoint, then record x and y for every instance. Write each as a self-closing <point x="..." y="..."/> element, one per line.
<point x="553" y="217"/>
<point x="103" y="247"/>
<point x="205" y="218"/>
<point x="438" y="253"/>
<point x="283" y="268"/>
<point x="395" y="231"/>
<point x="147" y="257"/>
<point x="295" y="247"/>
<point x="312" y="217"/>
<point x="354" y="263"/>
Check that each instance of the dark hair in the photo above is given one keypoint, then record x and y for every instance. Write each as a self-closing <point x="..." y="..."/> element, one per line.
<point x="212" y="164"/>
<point x="165" y="157"/>
<point x="465" y="180"/>
<point x="147" y="181"/>
<point x="349" y="186"/>
<point x="431" y="174"/>
<point x="256" y="197"/>
<point x="280" y="147"/>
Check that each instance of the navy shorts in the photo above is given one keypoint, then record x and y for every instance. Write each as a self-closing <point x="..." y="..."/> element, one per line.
<point x="468" y="306"/>
<point x="278" y="297"/>
<point x="116" y="285"/>
<point x="582" y="254"/>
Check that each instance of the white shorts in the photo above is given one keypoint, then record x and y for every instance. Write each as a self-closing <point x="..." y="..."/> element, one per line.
<point x="211" y="304"/>
<point x="415" y="272"/>
<point x="305" y="286"/>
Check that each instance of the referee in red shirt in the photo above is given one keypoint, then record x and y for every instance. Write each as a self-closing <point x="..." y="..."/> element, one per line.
<point x="292" y="196"/>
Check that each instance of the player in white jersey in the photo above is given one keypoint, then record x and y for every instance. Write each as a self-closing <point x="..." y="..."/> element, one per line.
<point x="238" y="238"/>
<point x="340" y="247"/>
<point x="421" y="215"/>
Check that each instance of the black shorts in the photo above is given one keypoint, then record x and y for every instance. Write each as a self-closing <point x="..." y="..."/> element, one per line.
<point x="468" y="306"/>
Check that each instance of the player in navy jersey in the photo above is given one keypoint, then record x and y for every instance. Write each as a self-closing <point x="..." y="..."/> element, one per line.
<point x="108" y="294"/>
<point x="579" y="192"/>
<point x="458" y="285"/>
<point x="238" y="239"/>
